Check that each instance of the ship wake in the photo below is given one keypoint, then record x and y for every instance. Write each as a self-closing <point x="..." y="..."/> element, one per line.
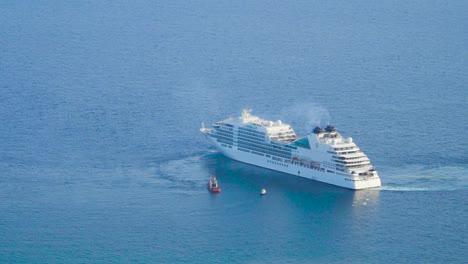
<point x="185" y="175"/>
<point x="421" y="178"/>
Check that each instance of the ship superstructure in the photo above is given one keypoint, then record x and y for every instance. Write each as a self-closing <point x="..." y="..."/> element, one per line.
<point x="323" y="155"/>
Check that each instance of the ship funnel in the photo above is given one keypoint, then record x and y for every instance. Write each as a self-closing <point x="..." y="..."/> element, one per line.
<point x="318" y="130"/>
<point x="330" y="128"/>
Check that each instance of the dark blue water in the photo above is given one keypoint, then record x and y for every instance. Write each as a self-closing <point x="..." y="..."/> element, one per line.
<point x="101" y="160"/>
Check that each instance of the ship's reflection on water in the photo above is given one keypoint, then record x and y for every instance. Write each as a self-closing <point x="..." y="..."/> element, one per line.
<point x="368" y="197"/>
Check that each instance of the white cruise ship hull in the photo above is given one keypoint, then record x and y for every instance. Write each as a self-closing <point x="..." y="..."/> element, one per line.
<point x="343" y="180"/>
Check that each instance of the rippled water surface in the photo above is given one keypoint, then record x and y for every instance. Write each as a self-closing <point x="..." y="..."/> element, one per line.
<point x="101" y="160"/>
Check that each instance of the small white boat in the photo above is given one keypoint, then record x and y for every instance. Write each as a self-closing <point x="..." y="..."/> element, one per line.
<point x="263" y="191"/>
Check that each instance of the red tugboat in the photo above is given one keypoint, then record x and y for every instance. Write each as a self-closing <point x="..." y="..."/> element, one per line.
<point x="213" y="185"/>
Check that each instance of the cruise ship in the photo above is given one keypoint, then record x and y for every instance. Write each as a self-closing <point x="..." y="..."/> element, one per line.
<point x="323" y="155"/>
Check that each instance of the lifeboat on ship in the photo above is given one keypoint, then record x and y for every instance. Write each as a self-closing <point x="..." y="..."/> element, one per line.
<point x="213" y="185"/>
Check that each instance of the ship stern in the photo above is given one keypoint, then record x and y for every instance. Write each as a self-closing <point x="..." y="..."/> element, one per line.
<point x="366" y="182"/>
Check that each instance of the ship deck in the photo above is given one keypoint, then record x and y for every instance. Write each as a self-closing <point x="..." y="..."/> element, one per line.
<point x="303" y="143"/>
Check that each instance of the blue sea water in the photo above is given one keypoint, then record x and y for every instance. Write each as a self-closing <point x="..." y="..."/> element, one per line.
<point x="101" y="160"/>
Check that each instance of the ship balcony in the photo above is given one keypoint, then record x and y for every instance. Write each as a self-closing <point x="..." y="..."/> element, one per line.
<point x="359" y="168"/>
<point x="350" y="156"/>
<point x="367" y="173"/>
<point x="347" y="151"/>
<point x="351" y="161"/>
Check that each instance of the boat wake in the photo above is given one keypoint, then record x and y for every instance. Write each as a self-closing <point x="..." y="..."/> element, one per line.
<point x="187" y="174"/>
<point x="421" y="178"/>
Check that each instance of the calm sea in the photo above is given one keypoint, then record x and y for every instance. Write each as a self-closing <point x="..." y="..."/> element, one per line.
<point x="101" y="160"/>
